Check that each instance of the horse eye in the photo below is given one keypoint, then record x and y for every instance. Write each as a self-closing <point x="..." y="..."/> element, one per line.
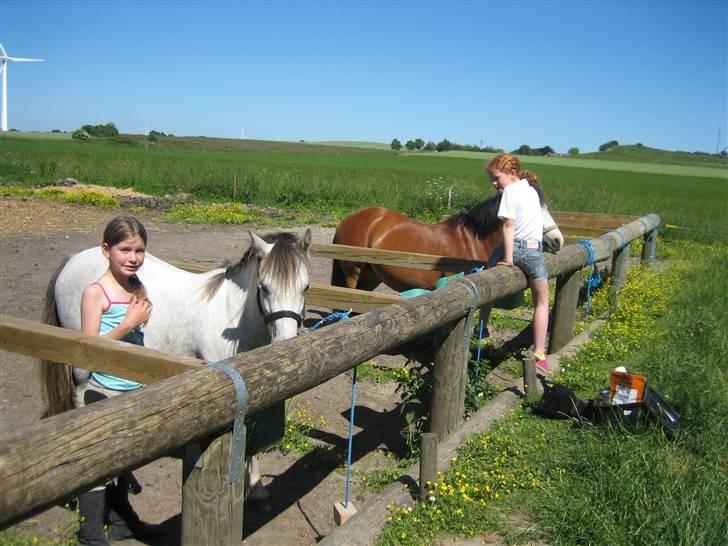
<point x="264" y="289"/>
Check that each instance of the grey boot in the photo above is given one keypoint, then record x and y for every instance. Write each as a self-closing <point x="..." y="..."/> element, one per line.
<point x="91" y="505"/>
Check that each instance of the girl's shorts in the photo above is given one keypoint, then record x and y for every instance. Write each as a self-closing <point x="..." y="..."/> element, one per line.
<point x="530" y="260"/>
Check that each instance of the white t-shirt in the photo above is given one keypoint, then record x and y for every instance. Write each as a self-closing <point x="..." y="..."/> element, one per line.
<point x="520" y="202"/>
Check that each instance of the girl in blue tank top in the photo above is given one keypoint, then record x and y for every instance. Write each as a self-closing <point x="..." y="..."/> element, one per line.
<point x="116" y="305"/>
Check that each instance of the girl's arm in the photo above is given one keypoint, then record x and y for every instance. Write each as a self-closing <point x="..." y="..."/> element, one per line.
<point x="508" y="226"/>
<point x="92" y="307"/>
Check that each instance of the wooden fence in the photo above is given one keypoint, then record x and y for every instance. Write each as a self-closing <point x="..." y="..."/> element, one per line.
<point x="52" y="459"/>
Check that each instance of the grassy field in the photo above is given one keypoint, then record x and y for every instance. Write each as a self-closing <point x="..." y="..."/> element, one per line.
<point x="340" y="179"/>
<point x="533" y="479"/>
<point x="666" y="163"/>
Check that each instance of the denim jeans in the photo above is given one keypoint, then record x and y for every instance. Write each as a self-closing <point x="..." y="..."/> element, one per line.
<point x="530" y="260"/>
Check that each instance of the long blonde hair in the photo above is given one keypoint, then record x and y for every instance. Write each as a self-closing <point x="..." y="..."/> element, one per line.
<point x="507" y="162"/>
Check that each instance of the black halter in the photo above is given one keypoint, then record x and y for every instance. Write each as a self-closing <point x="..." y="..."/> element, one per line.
<point x="270" y="317"/>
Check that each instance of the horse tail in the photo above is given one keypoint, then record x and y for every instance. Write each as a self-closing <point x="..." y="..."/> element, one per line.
<point x="55" y="378"/>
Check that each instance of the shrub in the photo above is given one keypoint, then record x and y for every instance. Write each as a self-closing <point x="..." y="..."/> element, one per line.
<point x="611" y="144"/>
<point x="574" y="151"/>
<point x="216" y="213"/>
<point x="80" y="134"/>
<point x="107" y="130"/>
<point x="80" y="197"/>
<point x="444" y="145"/>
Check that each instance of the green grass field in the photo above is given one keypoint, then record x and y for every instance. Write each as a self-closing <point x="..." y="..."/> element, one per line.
<point x="666" y="163"/>
<point x="338" y="179"/>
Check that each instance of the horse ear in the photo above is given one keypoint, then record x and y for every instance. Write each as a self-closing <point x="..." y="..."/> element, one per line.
<point x="260" y="246"/>
<point x="305" y="242"/>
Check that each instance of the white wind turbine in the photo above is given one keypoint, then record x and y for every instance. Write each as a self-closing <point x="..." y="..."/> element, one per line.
<point x="4" y="69"/>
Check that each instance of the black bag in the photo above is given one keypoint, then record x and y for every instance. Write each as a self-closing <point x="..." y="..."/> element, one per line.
<point x="559" y="402"/>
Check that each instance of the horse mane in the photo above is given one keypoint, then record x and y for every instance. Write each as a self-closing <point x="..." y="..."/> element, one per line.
<point x="481" y="219"/>
<point x="281" y="262"/>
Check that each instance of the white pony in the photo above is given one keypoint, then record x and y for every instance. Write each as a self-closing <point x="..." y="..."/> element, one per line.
<point x="212" y="316"/>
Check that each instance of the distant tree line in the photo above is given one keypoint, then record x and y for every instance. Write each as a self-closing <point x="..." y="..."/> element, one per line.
<point x="525" y="149"/>
<point x="443" y="146"/>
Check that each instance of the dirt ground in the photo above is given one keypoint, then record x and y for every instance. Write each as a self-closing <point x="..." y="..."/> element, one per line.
<point x="36" y="235"/>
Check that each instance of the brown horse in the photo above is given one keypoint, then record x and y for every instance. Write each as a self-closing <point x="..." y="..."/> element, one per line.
<point x="472" y="235"/>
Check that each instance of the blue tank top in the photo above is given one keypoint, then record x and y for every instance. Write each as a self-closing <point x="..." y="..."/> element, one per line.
<point x="110" y="319"/>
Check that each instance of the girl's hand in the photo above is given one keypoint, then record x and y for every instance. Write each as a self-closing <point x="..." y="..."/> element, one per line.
<point x="138" y="313"/>
<point x="505" y="262"/>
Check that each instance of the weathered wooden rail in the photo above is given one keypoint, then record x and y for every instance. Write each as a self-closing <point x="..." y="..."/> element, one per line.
<point x="54" y="458"/>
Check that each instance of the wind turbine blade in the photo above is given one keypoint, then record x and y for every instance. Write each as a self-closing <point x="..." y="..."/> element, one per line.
<point x="21" y="60"/>
<point x="2" y="49"/>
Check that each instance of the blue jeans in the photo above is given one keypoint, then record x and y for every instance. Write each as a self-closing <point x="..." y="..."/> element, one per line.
<point x="530" y="260"/>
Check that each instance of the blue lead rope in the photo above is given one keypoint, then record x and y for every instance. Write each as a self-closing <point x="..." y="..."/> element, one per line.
<point x="351" y="437"/>
<point x="595" y="278"/>
<point x="335" y="317"/>
<point x="480" y="328"/>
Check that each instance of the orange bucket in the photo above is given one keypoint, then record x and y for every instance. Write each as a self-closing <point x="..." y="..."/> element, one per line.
<point x="626" y="388"/>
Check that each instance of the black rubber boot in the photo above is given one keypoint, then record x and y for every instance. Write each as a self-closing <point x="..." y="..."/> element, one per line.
<point x="91" y="506"/>
<point x="123" y="520"/>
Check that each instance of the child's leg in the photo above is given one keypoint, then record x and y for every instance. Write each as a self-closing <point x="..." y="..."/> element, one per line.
<point x="540" y="292"/>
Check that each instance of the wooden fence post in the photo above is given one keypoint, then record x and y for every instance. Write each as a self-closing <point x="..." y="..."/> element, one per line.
<point x="620" y="260"/>
<point x="428" y="462"/>
<point x="212" y="508"/>
<point x="564" y="312"/>
<point x="648" y="246"/>
<point x="530" y="385"/>
<point x="448" y="382"/>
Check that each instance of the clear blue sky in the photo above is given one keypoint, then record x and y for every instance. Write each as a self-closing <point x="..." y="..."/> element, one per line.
<point x="498" y="73"/>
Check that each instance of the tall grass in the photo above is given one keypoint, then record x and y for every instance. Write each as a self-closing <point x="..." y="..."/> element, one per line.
<point x="625" y="489"/>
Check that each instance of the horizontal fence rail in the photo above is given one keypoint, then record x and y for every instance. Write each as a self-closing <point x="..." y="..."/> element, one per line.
<point x="56" y="457"/>
<point x="99" y="353"/>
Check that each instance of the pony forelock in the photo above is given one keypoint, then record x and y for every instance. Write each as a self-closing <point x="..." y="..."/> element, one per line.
<point x="281" y="264"/>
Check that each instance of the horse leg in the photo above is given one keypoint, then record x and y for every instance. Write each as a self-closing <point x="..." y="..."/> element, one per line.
<point x="345" y="274"/>
<point x="253" y="484"/>
<point x="80" y="383"/>
<point x="368" y="279"/>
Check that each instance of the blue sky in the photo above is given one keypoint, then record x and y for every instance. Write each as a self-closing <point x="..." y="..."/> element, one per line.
<point x="503" y="74"/>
